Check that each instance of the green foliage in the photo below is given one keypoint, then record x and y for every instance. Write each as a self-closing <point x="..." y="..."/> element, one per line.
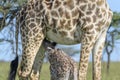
<point x="21" y="2"/>
<point x="118" y="37"/>
<point x="8" y="9"/>
<point x="116" y="19"/>
<point x="115" y="24"/>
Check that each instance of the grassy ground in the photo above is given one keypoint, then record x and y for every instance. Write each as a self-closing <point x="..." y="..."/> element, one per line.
<point x="45" y="75"/>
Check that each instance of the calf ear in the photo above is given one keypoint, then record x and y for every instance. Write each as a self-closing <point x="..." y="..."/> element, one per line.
<point x="54" y="44"/>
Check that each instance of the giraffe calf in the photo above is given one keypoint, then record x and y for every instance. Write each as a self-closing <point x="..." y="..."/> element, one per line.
<point x="62" y="67"/>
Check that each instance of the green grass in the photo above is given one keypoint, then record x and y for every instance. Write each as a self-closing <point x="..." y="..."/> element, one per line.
<point x="45" y="74"/>
<point x="114" y="73"/>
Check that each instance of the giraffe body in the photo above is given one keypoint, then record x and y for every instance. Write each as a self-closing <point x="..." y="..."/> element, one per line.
<point x="64" y="22"/>
<point x="62" y="67"/>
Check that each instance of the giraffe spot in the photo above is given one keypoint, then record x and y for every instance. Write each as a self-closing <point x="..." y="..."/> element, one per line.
<point x="48" y="4"/>
<point x="30" y="34"/>
<point x="68" y="25"/>
<point x="67" y="15"/>
<point x="28" y="51"/>
<point x="101" y="47"/>
<point x="54" y="13"/>
<point x="99" y="64"/>
<point x="103" y="10"/>
<point x="37" y="20"/>
<point x="62" y="22"/>
<point x="60" y="11"/>
<point x="106" y="5"/>
<point x="75" y="13"/>
<point x="77" y="2"/>
<point x="83" y="1"/>
<point x="36" y="4"/>
<point x="89" y="12"/>
<point x="21" y="16"/>
<point x="100" y="2"/>
<point x="110" y="14"/>
<point x="74" y="21"/>
<point x="55" y="31"/>
<point x="90" y="38"/>
<point x="92" y="0"/>
<point x="98" y="13"/>
<point x="32" y="25"/>
<point x="69" y="4"/>
<point x="97" y="29"/>
<point x="63" y="33"/>
<point x="88" y="28"/>
<point x="41" y="7"/>
<point x="83" y="7"/>
<point x="100" y="23"/>
<point x="88" y="19"/>
<point x="91" y="26"/>
<point x="107" y="24"/>
<point x="32" y="20"/>
<point x="26" y="22"/>
<point x="87" y="50"/>
<point x="21" y="68"/>
<point x="69" y="22"/>
<point x="54" y="22"/>
<point x="72" y="33"/>
<point x="57" y="3"/>
<point x="38" y="14"/>
<point x="94" y="18"/>
<point x="47" y="0"/>
<point x="35" y="30"/>
<point x="29" y="7"/>
<point x="84" y="65"/>
<point x="31" y="14"/>
<point x="91" y="45"/>
<point x="25" y="62"/>
<point x="91" y="6"/>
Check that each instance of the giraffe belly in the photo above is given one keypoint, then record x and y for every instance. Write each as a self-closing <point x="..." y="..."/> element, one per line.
<point x="60" y="39"/>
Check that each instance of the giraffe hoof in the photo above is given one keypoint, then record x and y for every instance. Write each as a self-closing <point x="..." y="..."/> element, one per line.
<point x="23" y="75"/>
<point x="34" y="75"/>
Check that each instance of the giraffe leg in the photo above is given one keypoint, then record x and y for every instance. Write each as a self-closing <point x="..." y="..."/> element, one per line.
<point x="35" y="73"/>
<point x="97" y="51"/>
<point x="86" y="47"/>
<point x="31" y="46"/>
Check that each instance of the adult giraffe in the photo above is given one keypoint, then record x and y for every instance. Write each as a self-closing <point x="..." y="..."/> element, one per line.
<point x="64" y="22"/>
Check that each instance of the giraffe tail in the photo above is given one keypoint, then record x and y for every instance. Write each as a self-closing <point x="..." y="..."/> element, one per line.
<point x="15" y="62"/>
<point x="13" y="69"/>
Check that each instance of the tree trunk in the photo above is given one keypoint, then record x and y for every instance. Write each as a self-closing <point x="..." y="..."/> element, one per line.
<point x="109" y="49"/>
<point x="108" y="64"/>
<point x="93" y="66"/>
